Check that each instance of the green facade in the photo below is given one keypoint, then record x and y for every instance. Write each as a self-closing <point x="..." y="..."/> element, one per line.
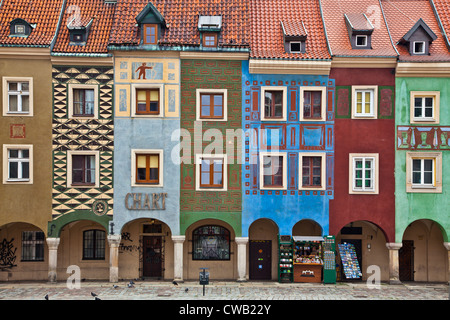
<point x="197" y="205"/>
<point x="426" y="137"/>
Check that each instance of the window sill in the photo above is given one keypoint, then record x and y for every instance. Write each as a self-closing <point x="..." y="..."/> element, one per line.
<point x="18" y="114"/>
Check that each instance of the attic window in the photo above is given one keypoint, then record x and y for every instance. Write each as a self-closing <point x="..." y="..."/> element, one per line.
<point x="419" y="38"/>
<point x="79" y="30"/>
<point x="20" y="28"/>
<point x="359" y="29"/>
<point x="294" y="34"/>
<point x="150" y="34"/>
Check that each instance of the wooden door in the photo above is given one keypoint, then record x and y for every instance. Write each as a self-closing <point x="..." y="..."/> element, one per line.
<point x="260" y="260"/>
<point x="152" y="255"/>
<point x="406" y="261"/>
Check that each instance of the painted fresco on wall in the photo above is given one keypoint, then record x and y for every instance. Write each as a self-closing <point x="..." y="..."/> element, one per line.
<point x="72" y="133"/>
<point x="139" y="71"/>
<point x="423" y="138"/>
<point x="292" y="203"/>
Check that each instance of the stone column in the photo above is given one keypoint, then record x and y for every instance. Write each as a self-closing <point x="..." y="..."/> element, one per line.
<point x="242" y="258"/>
<point x="178" y="258"/>
<point x="447" y="246"/>
<point x="52" y="244"/>
<point x="114" y="242"/>
<point x="393" y="248"/>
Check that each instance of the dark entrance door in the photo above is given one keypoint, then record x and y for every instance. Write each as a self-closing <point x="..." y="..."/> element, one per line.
<point x="406" y="261"/>
<point x="260" y="260"/>
<point x="152" y="264"/>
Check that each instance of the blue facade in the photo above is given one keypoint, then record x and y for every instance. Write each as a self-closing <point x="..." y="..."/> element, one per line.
<point x="295" y="139"/>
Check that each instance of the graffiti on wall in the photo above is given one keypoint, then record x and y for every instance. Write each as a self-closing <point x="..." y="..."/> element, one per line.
<point x="7" y="254"/>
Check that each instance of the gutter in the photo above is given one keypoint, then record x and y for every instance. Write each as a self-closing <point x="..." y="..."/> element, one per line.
<point x="325" y="29"/>
<point x="441" y="26"/>
<point x="387" y="27"/>
<point x="63" y="8"/>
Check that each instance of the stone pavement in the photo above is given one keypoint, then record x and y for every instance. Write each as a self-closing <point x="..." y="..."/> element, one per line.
<point x="153" y="290"/>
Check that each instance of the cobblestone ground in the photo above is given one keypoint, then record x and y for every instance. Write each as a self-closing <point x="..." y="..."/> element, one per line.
<point x="143" y="290"/>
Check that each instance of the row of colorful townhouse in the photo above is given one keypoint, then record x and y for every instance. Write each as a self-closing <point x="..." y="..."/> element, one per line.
<point x="149" y="139"/>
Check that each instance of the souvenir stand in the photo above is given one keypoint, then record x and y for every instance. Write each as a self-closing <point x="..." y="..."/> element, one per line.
<point x="308" y="258"/>
<point x="285" y="251"/>
<point x="350" y="265"/>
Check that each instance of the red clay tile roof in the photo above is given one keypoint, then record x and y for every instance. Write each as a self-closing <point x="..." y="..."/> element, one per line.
<point x="294" y="28"/>
<point x="402" y="15"/>
<point x="44" y="13"/>
<point x="337" y="33"/>
<point x="359" y="21"/>
<point x="267" y="40"/>
<point x="181" y="17"/>
<point x="443" y="11"/>
<point x="80" y="13"/>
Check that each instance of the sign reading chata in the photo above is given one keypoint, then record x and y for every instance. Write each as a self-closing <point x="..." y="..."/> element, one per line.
<point x="145" y="201"/>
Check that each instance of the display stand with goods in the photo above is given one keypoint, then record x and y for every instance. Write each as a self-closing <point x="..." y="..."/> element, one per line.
<point x="285" y="252"/>
<point x="329" y="259"/>
<point x="350" y="265"/>
<point x="308" y="259"/>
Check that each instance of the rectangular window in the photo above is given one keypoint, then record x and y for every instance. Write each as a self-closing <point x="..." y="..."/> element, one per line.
<point x="295" y="46"/>
<point x="83" y="102"/>
<point x="83" y="169"/>
<point x="33" y="246"/>
<point x="210" y="40"/>
<point x="19" y="29"/>
<point x="150" y="34"/>
<point x="211" y="173"/>
<point x="423" y="172"/>
<point x="419" y="47"/>
<point x="18" y="164"/>
<point x="273" y="104"/>
<point x="312" y="172"/>
<point x="147" y="168"/>
<point x="273" y="171"/>
<point x="364" y="103"/>
<point x="18" y="97"/>
<point x="361" y="41"/>
<point x="424" y="106"/>
<point x="211" y="106"/>
<point x="94" y="245"/>
<point x="147" y="101"/>
<point x="312" y="105"/>
<point x="363" y="174"/>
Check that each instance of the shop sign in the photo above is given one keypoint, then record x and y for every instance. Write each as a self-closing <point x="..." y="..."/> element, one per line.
<point x="145" y="201"/>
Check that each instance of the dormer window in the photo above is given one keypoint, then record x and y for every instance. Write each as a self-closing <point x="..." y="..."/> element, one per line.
<point x="294" y="34"/>
<point x="20" y="28"/>
<point x="359" y="30"/>
<point x="419" y="38"/>
<point x="79" y="30"/>
<point x="151" y="24"/>
<point x="210" y="27"/>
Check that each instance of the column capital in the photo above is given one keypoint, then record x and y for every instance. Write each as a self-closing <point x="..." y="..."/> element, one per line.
<point x="114" y="239"/>
<point x="447" y="245"/>
<point x="394" y="245"/>
<point x="53" y="243"/>
<point x="241" y="240"/>
<point x="178" y="239"/>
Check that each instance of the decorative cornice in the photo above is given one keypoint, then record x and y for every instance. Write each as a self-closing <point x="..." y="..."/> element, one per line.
<point x="364" y="62"/>
<point x="314" y="67"/>
<point x="75" y="60"/>
<point x="214" y="55"/>
<point x="423" y="69"/>
<point x="24" y="53"/>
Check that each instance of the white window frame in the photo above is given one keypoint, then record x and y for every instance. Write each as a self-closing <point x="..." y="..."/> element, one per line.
<point x="73" y="86"/>
<point x="6" y="112"/>
<point x="294" y="51"/>
<point x="423" y="47"/>
<point x="6" y="148"/>
<point x="323" y="167"/>
<point x="365" y="37"/>
<point x="353" y="157"/>
<point x="17" y="27"/>
<point x="69" y="168"/>
<point x="198" y="162"/>
<point x="261" y="170"/>
<point x="323" y="111"/>
<point x="262" y="102"/>
<point x="436" y="186"/>
<point x="135" y="152"/>
<point x="211" y="91"/>
<point x="436" y="106"/>
<point x="161" y="100"/>
<point x="373" y="106"/>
